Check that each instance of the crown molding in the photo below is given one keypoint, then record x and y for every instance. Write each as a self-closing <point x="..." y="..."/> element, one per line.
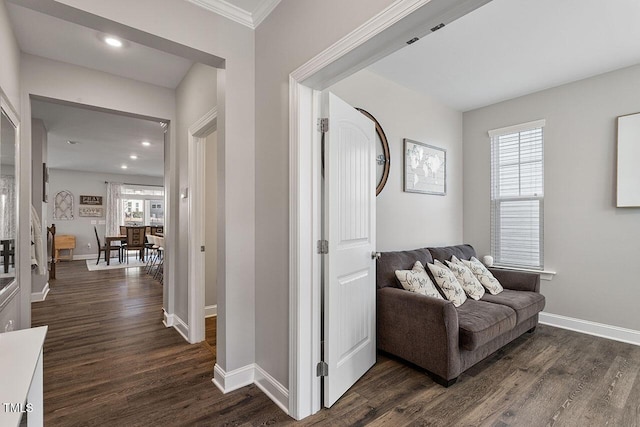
<point x="237" y="14"/>
<point x="263" y="10"/>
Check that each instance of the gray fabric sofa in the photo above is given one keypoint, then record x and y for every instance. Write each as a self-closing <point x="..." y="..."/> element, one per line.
<point x="440" y="338"/>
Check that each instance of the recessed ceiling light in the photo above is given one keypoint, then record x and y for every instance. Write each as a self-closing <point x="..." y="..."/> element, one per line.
<point x="112" y="41"/>
<point x="146" y="143"/>
<point x="123" y="166"/>
<point x="72" y="142"/>
<point x="133" y="157"/>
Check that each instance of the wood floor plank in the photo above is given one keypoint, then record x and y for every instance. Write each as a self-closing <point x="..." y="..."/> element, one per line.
<point x="109" y="361"/>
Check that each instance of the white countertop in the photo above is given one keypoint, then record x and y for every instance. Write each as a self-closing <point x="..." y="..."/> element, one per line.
<point x="19" y="353"/>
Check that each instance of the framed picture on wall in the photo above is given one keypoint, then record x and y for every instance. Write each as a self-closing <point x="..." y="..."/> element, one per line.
<point x="425" y="168"/>
<point x="91" y="200"/>
<point x="91" y="211"/>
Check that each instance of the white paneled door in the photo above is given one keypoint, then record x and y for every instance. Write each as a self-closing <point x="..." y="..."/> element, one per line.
<point x="350" y="224"/>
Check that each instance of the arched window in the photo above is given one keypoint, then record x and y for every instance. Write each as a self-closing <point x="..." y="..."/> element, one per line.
<point x="63" y="205"/>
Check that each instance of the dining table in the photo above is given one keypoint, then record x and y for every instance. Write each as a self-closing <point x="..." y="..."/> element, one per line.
<point x="107" y="242"/>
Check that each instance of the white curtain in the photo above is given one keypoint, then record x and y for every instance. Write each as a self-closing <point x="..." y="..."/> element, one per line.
<point x="7" y="207"/>
<point x="115" y="208"/>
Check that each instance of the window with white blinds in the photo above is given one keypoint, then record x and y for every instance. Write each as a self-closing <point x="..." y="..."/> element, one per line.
<point x="517" y="195"/>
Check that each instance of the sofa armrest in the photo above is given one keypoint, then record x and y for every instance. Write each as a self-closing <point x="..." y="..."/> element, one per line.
<point x="517" y="280"/>
<point x="420" y="329"/>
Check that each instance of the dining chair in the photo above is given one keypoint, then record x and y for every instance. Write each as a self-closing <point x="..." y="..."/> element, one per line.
<point x="135" y="242"/>
<point x="123" y="230"/>
<point x="103" y="248"/>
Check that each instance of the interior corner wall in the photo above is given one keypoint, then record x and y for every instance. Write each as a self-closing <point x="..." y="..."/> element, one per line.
<point x="39" y="150"/>
<point x="292" y="34"/>
<point x="10" y="63"/>
<point x="591" y="244"/>
<point x="411" y="220"/>
<point x="196" y="95"/>
<point x="86" y="183"/>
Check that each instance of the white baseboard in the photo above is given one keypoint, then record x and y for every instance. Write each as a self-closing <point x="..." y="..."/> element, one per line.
<point x="211" y="310"/>
<point x="175" y="322"/>
<point x="615" y="333"/>
<point x="42" y="295"/>
<point x="252" y="374"/>
<point x="233" y="380"/>
<point x="272" y="388"/>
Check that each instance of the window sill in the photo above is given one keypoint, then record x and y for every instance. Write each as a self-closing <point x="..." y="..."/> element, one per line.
<point x="544" y="274"/>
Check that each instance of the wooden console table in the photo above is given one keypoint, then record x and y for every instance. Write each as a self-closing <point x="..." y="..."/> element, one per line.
<point x="65" y="242"/>
<point x="21" y="373"/>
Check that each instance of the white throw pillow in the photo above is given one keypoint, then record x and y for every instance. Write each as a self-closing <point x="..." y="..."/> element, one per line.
<point x="472" y="287"/>
<point x="417" y="280"/>
<point x="446" y="281"/>
<point x="484" y="276"/>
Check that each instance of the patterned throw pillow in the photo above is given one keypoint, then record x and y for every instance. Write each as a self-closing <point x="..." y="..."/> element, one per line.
<point x="484" y="276"/>
<point x="417" y="280"/>
<point x="472" y="287"/>
<point x="448" y="283"/>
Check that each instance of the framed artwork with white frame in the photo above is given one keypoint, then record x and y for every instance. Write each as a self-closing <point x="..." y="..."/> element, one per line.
<point x="425" y="168"/>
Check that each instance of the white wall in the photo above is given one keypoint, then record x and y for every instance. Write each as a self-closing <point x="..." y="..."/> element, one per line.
<point x="411" y="220"/>
<point x="10" y="62"/>
<point x="89" y="184"/>
<point x="211" y="219"/>
<point x="66" y="82"/>
<point x="196" y="95"/>
<point x="295" y="32"/>
<point x="591" y="244"/>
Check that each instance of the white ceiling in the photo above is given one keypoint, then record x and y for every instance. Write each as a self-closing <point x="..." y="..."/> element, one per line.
<point x="104" y="140"/>
<point x="510" y="48"/>
<point x="53" y="38"/>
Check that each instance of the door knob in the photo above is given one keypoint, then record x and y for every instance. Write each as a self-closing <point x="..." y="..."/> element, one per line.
<point x="375" y="255"/>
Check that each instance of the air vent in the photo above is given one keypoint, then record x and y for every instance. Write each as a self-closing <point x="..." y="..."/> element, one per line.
<point x="437" y="27"/>
<point x="413" y="40"/>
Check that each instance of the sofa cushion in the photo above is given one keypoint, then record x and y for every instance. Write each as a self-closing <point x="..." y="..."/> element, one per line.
<point x="448" y="283"/>
<point x="484" y="276"/>
<point x="524" y="303"/>
<point x="445" y="253"/>
<point x="472" y="287"/>
<point x="417" y="280"/>
<point x="389" y="262"/>
<point x="480" y="322"/>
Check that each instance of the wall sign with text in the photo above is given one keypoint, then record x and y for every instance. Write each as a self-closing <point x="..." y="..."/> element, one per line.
<point x="91" y="200"/>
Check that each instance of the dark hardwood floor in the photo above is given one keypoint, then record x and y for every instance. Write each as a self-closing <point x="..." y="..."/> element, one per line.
<point x="108" y="361"/>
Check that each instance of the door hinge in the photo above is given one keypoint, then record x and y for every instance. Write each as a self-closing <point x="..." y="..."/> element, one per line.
<point x="323" y="247"/>
<point x="323" y="125"/>
<point x="201" y="248"/>
<point x="322" y="369"/>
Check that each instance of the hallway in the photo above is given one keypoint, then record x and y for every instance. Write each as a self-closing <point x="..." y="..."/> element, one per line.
<point x="108" y="360"/>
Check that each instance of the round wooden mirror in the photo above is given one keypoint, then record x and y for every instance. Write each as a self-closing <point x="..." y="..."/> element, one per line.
<point x="383" y="159"/>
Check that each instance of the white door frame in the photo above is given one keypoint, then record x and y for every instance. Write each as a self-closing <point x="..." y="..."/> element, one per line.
<point x="198" y="133"/>
<point x="405" y="19"/>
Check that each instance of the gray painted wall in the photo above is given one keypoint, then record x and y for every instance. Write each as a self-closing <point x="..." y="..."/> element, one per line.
<point x="211" y="219"/>
<point x="591" y="244"/>
<point x="196" y="95"/>
<point x="39" y="150"/>
<point x="295" y="32"/>
<point x="10" y="85"/>
<point x="90" y="184"/>
<point x="10" y="63"/>
<point x="410" y="220"/>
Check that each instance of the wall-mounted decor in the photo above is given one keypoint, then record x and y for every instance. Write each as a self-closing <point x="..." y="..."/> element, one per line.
<point x="45" y="183"/>
<point x="383" y="158"/>
<point x="628" y="191"/>
<point x="425" y="168"/>
<point x="63" y="205"/>
<point x="91" y="211"/>
<point x="91" y="200"/>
